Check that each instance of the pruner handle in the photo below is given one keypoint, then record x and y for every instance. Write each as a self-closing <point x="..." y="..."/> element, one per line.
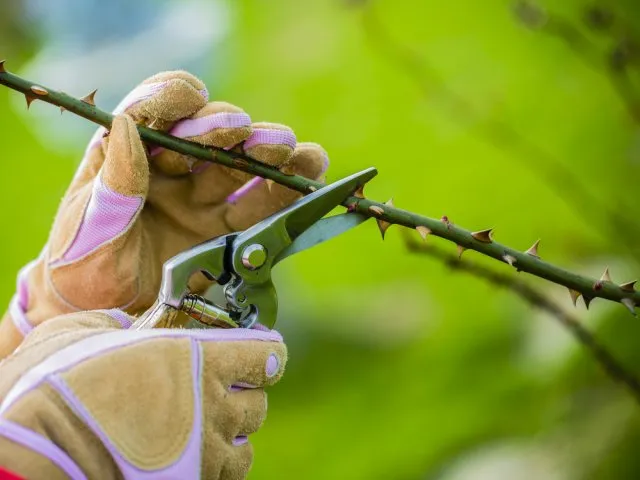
<point x="199" y="313"/>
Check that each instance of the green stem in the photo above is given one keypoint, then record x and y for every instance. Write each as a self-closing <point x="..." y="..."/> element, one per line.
<point x="522" y="261"/>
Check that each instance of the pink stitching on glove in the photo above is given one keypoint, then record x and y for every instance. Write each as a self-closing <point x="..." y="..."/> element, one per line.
<point x="108" y="215"/>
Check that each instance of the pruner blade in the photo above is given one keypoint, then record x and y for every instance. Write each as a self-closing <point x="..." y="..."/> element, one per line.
<point x="257" y="249"/>
<point x="278" y="232"/>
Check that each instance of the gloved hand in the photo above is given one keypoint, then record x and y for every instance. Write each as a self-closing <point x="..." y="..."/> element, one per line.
<point x="129" y="210"/>
<point x="84" y="398"/>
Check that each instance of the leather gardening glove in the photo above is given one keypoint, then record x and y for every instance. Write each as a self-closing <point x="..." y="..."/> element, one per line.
<point x="85" y="398"/>
<point x="128" y="210"/>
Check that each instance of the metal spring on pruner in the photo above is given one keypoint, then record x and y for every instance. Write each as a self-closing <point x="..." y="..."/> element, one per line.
<point x="205" y="312"/>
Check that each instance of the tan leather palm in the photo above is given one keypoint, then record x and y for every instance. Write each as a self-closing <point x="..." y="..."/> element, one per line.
<point x="130" y="207"/>
<point x="85" y="398"/>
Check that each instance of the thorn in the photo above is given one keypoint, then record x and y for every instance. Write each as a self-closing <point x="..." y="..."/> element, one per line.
<point x="587" y="301"/>
<point x="376" y="210"/>
<point x="153" y="124"/>
<point x="29" y="98"/>
<point x="575" y="295"/>
<point x="630" y="304"/>
<point x="533" y="250"/>
<point x="461" y="250"/>
<point x="510" y="259"/>
<point x="423" y="231"/>
<point x="90" y="98"/>
<point x="39" y="90"/>
<point x="2" y="69"/>
<point x="604" y="278"/>
<point x="312" y="188"/>
<point x="359" y="193"/>
<point x="62" y="109"/>
<point x="269" y="182"/>
<point x="240" y="162"/>
<point x="446" y="221"/>
<point x="629" y="286"/>
<point x="483" y="236"/>
<point x="383" y="226"/>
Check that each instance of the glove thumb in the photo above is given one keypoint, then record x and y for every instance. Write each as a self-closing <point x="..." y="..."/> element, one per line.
<point x="125" y="169"/>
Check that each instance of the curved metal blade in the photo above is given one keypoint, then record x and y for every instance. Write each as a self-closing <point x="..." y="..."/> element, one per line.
<point x="321" y="231"/>
<point x="307" y="211"/>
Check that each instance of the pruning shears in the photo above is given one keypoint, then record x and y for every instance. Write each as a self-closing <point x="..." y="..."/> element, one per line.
<point x="241" y="263"/>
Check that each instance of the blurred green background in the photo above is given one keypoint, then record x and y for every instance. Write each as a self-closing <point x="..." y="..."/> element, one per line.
<point x="520" y="117"/>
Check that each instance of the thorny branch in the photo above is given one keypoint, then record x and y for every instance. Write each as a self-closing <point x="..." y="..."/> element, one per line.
<point x="612" y="367"/>
<point x="499" y="133"/>
<point x="384" y="213"/>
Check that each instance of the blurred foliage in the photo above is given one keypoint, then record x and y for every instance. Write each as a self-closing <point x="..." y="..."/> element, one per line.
<point x="399" y="368"/>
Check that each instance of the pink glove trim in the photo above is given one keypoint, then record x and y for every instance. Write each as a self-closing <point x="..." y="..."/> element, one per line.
<point x="19" y="317"/>
<point x="244" y="189"/>
<point x="20" y="302"/>
<point x="192" y="127"/>
<point x="103" y="343"/>
<point x="121" y="317"/>
<point x="39" y="444"/>
<point x="270" y="136"/>
<point x="189" y="463"/>
<point x="22" y="288"/>
<point x="108" y="215"/>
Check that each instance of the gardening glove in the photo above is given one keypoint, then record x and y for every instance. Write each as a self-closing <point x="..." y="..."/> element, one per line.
<point x="130" y="208"/>
<point x="83" y="397"/>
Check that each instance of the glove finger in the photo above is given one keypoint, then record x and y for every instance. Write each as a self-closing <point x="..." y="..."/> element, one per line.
<point x="257" y="199"/>
<point x="268" y="143"/>
<point x="218" y="124"/>
<point x="252" y="402"/>
<point x="160" y="100"/>
<point x="244" y="357"/>
<point x="238" y="461"/>
<point x="165" y="98"/>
